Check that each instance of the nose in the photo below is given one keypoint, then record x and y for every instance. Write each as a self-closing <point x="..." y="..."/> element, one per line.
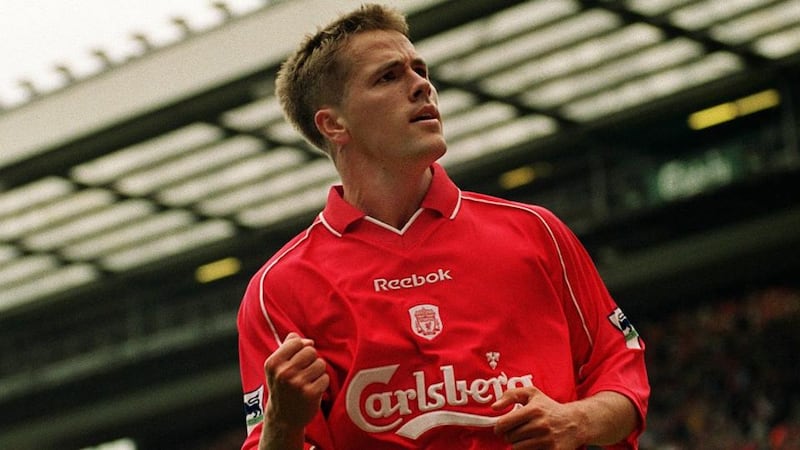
<point x="421" y="87"/>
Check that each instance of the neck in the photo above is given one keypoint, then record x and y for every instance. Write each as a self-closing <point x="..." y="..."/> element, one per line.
<point x="391" y="196"/>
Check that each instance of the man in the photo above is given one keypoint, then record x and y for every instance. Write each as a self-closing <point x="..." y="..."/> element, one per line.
<point x="411" y="314"/>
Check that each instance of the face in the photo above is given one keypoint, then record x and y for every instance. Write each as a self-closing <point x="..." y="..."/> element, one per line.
<point x="389" y="108"/>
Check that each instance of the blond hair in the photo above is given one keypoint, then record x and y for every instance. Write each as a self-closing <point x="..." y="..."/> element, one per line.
<point x="315" y="74"/>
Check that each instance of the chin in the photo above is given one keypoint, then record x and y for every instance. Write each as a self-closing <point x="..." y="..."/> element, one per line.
<point x="435" y="150"/>
<point x="440" y="149"/>
<point x="441" y="153"/>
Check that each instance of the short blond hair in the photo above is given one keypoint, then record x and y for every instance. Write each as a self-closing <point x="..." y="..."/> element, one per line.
<point x="314" y="75"/>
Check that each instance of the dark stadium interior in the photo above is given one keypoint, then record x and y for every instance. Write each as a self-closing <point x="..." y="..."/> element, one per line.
<point x="149" y="353"/>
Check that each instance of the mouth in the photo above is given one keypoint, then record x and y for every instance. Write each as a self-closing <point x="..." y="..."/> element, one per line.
<point x="426" y="113"/>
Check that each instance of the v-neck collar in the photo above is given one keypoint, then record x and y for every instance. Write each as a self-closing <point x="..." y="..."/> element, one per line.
<point x="443" y="196"/>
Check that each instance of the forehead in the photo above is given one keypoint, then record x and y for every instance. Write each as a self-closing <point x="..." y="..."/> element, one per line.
<point x="376" y="47"/>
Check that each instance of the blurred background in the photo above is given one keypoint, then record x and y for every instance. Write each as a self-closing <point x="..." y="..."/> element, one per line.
<point x="147" y="173"/>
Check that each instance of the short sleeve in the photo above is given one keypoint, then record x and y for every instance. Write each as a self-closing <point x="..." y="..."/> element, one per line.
<point x="608" y="351"/>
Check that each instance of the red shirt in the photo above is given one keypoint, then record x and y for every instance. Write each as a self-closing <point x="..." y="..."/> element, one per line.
<point x="424" y="328"/>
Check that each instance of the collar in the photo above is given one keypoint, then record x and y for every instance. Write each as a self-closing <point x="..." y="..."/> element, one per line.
<point x="443" y="196"/>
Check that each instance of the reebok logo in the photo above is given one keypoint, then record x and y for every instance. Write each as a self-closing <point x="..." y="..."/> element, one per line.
<point x="411" y="281"/>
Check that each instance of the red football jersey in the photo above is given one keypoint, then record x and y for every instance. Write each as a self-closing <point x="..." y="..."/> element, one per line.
<point x="424" y="328"/>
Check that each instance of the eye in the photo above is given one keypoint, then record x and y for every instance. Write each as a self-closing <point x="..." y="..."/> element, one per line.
<point x="422" y="71"/>
<point x="388" y="76"/>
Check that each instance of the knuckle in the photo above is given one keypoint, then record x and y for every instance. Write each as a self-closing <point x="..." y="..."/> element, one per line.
<point x="271" y="364"/>
<point x="284" y="374"/>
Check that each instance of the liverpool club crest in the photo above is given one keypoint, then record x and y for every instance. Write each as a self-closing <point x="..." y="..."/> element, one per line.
<point x="425" y="321"/>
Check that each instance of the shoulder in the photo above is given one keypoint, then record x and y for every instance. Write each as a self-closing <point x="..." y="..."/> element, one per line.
<point x="488" y="204"/>
<point x="276" y="276"/>
<point x="522" y="219"/>
<point x="289" y="256"/>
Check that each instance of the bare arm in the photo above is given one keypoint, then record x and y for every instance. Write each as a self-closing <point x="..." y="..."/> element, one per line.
<point x="275" y="436"/>
<point x="607" y="418"/>
<point x="296" y="379"/>
<point x="541" y="422"/>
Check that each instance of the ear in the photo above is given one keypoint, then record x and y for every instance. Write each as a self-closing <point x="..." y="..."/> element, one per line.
<point x="332" y="126"/>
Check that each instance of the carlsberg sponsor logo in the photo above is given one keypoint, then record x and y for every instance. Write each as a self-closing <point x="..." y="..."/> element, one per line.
<point x="426" y="399"/>
<point x="411" y="281"/>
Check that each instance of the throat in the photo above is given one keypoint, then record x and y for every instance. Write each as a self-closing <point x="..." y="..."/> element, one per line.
<point x="393" y="204"/>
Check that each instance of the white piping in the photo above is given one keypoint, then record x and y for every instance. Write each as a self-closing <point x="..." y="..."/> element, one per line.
<point x="329" y="226"/>
<point x="393" y="229"/>
<point x="560" y="257"/>
<point x="264" y="274"/>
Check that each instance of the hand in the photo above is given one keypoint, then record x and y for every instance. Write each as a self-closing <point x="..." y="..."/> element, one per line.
<point x="296" y="379"/>
<point x="538" y="422"/>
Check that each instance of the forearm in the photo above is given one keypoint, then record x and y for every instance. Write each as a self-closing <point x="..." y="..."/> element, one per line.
<point x="605" y="418"/>
<point x="279" y="437"/>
